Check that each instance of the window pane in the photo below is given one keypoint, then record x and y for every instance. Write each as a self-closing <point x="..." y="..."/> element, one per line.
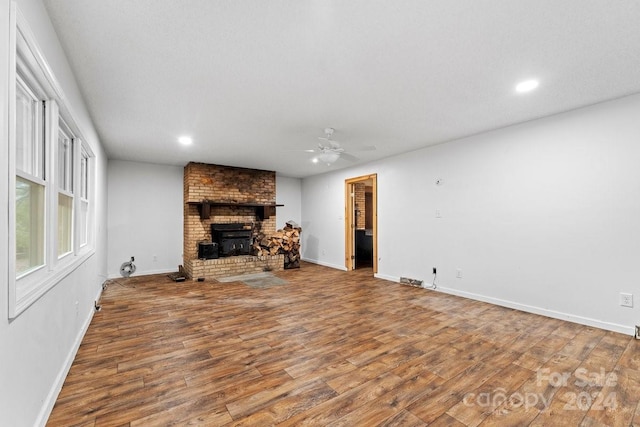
<point x="84" y="213"/>
<point x="65" y="162"/>
<point x="29" y="142"/>
<point x="63" y="146"/>
<point x="70" y="162"/>
<point x="84" y="176"/>
<point x="29" y="225"/>
<point x="25" y="126"/>
<point x="65" y="204"/>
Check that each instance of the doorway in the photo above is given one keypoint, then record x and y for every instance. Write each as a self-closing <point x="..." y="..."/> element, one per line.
<point x="361" y="223"/>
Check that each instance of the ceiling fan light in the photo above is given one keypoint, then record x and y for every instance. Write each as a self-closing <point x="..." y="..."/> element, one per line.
<point x="328" y="157"/>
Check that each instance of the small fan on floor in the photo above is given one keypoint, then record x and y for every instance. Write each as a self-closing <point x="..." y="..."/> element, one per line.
<point x="128" y="268"/>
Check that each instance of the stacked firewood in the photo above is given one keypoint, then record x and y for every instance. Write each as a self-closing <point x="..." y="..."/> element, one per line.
<point x="285" y="241"/>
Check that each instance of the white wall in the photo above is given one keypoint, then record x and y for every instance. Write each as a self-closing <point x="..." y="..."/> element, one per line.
<point x="38" y="346"/>
<point x="323" y="213"/>
<point x="145" y="216"/>
<point x="288" y="194"/>
<point x="542" y="216"/>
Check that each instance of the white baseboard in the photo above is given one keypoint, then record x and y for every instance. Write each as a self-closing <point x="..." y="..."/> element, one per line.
<point x="50" y="401"/>
<point x="627" y="330"/>
<point x="144" y="273"/>
<point x="325" y="264"/>
<point x="386" y="277"/>
<point x="623" y="329"/>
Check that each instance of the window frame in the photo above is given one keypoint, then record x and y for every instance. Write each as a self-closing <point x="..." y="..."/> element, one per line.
<point x="27" y="63"/>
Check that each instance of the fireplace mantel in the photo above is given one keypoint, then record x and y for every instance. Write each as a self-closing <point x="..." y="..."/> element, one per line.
<point x="263" y="210"/>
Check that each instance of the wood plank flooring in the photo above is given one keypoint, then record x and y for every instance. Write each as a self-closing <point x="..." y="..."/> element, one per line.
<point x="335" y="348"/>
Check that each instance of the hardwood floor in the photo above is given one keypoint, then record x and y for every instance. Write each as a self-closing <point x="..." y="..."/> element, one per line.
<point x="334" y="348"/>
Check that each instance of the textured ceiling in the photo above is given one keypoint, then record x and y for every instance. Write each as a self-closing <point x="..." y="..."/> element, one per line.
<point x="255" y="82"/>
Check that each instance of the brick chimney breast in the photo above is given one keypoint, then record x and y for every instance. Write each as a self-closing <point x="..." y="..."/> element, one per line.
<point x="227" y="184"/>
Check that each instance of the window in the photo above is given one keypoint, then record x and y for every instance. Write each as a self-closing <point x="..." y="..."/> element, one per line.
<point x="64" y="167"/>
<point x="50" y="178"/>
<point x="30" y="185"/>
<point x="83" y="213"/>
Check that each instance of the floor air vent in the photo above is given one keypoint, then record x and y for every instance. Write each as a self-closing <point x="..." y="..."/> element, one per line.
<point x="411" y="282"/>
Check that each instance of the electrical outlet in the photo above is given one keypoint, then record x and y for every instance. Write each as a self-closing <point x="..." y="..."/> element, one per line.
<point x="459" y="273"/>
<point x="626" y="300"/>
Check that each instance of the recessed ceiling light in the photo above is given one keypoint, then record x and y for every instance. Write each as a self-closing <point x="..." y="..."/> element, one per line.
<point x="314" y="160"/>
<point x="527" y="86"/>
<point x="185" y="140"/>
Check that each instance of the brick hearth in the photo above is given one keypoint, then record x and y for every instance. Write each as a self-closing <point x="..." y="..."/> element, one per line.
<point x="233" y="266"/>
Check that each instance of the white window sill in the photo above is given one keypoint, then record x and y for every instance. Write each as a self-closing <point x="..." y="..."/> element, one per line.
<point x="30" y="289"/>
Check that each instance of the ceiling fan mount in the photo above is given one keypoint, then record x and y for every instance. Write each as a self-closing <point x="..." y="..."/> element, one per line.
<point x="329" y="149"/>
<point x="328" y="139"/>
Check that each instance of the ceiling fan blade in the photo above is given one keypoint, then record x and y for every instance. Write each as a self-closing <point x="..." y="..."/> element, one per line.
<point x="302" y="150"/>
<point x="363" y="148"/>
<point x="348" y="157"/>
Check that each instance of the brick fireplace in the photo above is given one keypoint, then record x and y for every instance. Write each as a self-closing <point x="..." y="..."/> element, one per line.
<point x="215" y="194"/>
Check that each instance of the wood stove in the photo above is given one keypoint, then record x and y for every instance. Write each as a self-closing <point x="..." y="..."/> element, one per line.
<point x="232" y="239"/>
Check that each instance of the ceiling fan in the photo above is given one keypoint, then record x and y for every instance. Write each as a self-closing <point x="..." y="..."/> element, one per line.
<point x="330" y="150"/>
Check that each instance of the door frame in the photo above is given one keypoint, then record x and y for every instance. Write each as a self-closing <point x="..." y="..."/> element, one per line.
<point x="349" y="220"/>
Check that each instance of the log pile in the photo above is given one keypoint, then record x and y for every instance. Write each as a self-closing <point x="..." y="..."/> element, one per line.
<point x="285" y="241"/>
